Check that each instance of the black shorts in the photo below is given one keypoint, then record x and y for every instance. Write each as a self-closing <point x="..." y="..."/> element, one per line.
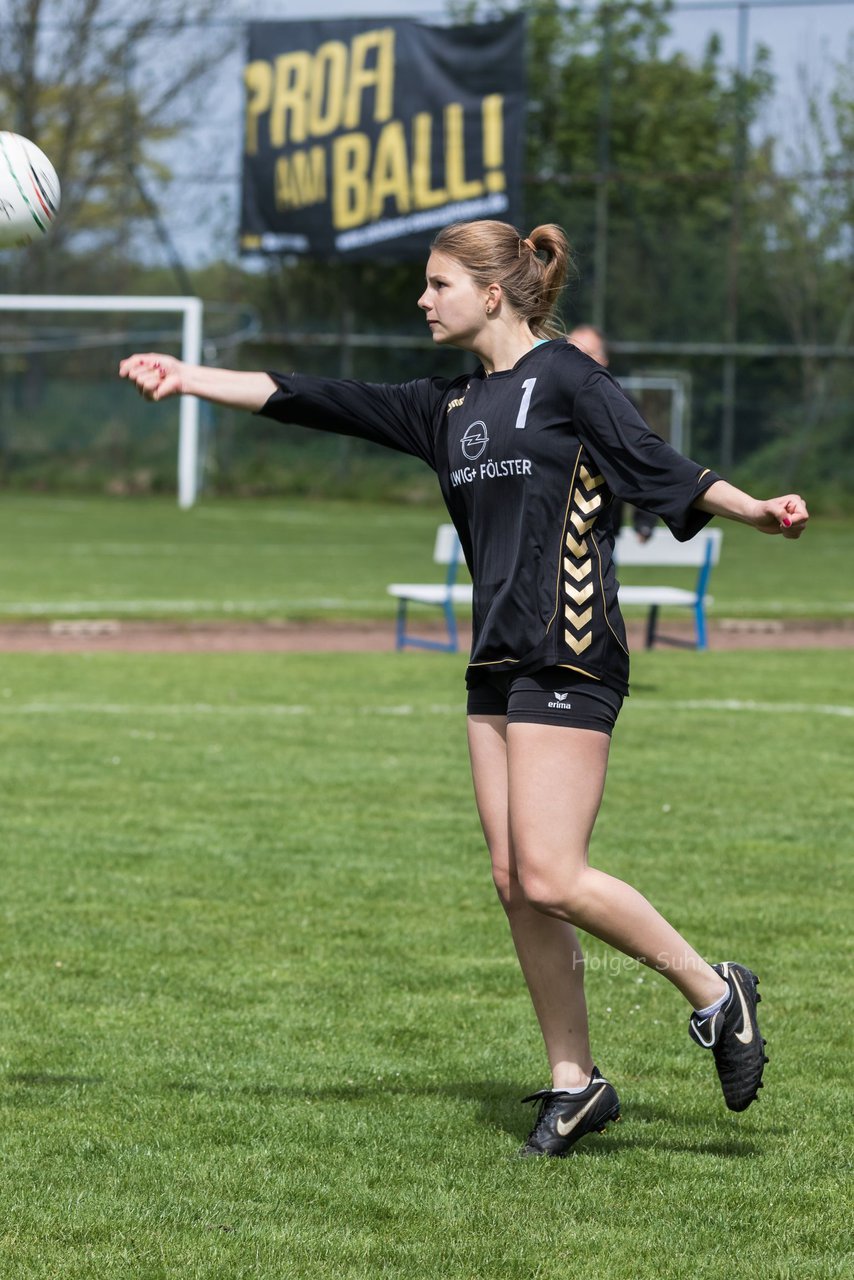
<point x="552" y="695"/>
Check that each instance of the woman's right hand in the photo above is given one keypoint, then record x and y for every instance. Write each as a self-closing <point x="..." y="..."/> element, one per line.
<point x="155" y="376"/>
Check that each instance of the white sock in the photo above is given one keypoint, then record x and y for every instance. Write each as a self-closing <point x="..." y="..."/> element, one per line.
<point x="711" y="1010"/>
<point x="579" y="1088"/>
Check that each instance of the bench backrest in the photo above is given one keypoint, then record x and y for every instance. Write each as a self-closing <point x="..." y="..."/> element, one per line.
<point x="448" y="551"/>
<point x="663" y="549"/>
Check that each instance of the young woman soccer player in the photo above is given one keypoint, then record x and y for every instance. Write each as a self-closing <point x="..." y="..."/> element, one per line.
<point x="530" y="449"/>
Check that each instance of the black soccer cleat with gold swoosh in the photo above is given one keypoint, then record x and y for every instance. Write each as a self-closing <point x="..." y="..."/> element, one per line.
<point x="566" y="1117"/>
<point x="733" y="1036"/>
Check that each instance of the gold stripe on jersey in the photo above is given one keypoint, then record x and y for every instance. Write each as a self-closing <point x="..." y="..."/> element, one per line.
<point x="579" y="594"/>
<point x="578" y="620"/>
<point x="585" y="505"/>
<point x="579" y="643"/>
<point x="576" y="519"/>
<point x="589" y="507"/>
<point x="578" y="549"/>
<point x="578" y="571"/>
<point x="567" y="666"/>
<point x="589" y="481"/>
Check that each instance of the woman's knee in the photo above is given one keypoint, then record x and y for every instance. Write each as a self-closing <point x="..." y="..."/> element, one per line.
<point x="507" y="887"/>
<point x="554" y="893"/>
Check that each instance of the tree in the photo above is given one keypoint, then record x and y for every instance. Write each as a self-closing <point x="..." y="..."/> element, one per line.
<point x="634" y="151"/>
<point x="99" y="90"/>
<point x="800" y="266"/>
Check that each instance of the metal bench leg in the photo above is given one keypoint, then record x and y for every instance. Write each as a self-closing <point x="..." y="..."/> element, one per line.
<point x="452" y="626"/>
<point x="651" y="624"/>
<point x="400" y="629"/>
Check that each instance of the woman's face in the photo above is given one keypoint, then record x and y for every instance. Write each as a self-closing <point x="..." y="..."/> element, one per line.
<point x="455" y="307"/>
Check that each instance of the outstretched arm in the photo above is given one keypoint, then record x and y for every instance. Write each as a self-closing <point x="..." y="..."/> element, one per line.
<point x="787" y="515"/>
<point x="400" y="416"/>
<point x="157" y="377"/>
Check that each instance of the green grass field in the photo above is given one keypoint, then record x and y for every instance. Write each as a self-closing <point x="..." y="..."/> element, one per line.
<point x="63" y="557"/>
<point x="260" y="1014"/>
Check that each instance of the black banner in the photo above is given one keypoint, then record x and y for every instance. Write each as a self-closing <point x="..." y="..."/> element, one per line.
<point x="364" y="136"/>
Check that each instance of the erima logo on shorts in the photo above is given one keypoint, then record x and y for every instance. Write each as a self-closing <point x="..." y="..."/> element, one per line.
<point x="561" y="704"/>
<point x="474" y="441"/>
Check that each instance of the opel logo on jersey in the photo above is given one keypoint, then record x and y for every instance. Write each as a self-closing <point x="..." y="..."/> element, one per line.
<point x="475" y="440"/>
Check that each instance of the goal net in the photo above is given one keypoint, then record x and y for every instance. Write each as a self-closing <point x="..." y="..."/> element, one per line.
<point x="59" y="395"/>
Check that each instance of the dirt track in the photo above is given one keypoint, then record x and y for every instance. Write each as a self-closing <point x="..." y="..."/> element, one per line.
<point x="282" y="637"/>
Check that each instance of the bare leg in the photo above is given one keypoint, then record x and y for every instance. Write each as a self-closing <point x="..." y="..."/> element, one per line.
<point x="556" y="779"/>
<point x="548" y="948"/>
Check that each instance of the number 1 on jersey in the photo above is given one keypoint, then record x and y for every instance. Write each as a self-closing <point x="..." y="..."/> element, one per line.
<point x="528" y="388"/>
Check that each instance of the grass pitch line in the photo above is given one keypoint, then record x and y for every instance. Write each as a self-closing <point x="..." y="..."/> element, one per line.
<point x="283" y="710"/>
<point x="272" y="711"/>
<point x="276" y="606"/>
<point x="788" y="608"/>
<point x="155" y="709"/>
<point x="738" y="704"/>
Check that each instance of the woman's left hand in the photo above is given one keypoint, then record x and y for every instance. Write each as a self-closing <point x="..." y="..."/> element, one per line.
<point x="787" y="515"/>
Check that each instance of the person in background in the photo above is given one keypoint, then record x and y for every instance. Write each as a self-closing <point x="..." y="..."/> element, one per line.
<point x="591" y="340"/>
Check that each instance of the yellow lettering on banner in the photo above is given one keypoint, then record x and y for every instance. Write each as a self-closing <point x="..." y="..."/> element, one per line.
<point x="328" y="83"/>
<point x="455" y="156"/>
<point x="394" y="175"/>
<point x="351" y="157"/>
<point x="290" y="99"/>
<point x="390" y="174"/>
<point x="380" y="76"/>
<point x="425" y="196"/>
<point x="492" y="114"/>
<point x="301" y="179"/>
<point x="258" y="78"/>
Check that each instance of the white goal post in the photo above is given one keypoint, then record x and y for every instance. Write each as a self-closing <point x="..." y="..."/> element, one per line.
<point x="192" y="310"/>
<point x="677" y="384"/>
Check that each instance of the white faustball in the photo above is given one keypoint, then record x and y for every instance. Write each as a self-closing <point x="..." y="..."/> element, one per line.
<point x="29" y="191"/>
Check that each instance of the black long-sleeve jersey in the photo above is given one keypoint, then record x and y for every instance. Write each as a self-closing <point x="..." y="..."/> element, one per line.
<point x="528" y="460"/>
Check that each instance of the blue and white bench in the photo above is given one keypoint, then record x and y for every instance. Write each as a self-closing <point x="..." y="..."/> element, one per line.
<point x="661" y="549"/>
<point x="701" y="552"/>
<point x="444" y="595"/>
